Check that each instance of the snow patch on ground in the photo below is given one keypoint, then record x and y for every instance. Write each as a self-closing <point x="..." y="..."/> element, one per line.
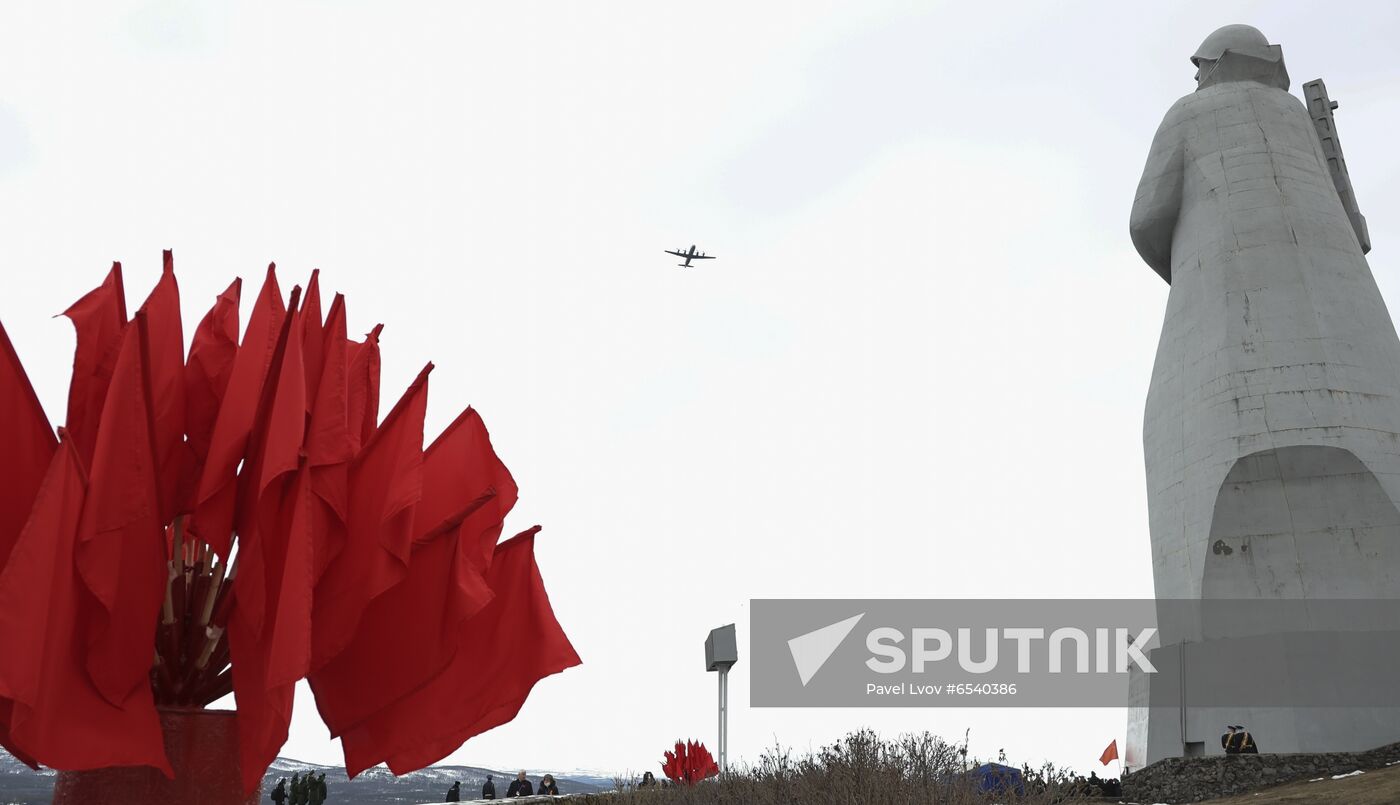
<point x="1348" y="774"/>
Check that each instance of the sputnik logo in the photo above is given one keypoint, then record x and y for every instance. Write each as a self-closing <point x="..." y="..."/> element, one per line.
<point x="811" y="651"/>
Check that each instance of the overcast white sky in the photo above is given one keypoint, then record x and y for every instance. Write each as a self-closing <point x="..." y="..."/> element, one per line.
<point x="927" y="339"/>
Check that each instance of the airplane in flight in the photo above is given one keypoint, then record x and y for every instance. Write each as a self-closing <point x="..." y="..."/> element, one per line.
<point x="690" y="255"/>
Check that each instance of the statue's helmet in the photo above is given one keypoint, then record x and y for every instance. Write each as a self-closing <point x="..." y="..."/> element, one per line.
<point x="1232" y="37"/>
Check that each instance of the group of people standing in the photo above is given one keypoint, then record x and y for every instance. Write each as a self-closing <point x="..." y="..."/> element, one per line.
<point x="519" y="787"/>
<point x="308" y="790"/>
<point x="1238" y="741"/>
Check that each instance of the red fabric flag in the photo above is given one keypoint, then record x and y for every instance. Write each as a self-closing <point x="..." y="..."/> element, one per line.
<point x="26" y="442"/>
<point x="212" y="353"/>
<point x="362" y="388"/>
<point x="328" y="447"/>
<point x="1109" y="754"/>
<point x="99" y="319"/>
<point x="313" y="336"/>
<point x="121" y="552"/>
<point x="163" y="342"/>
<point x="408" y="634"/>
<point x="56" y="716"/>
<point x="274" y="451"/>
<point x="267" y="665"/>
<point x="270" y="625"/>
<point x="487" y="681"/>
<point x="459" y="467"/>
<point x="216" y="495"/>
<point x="385" y="483"/>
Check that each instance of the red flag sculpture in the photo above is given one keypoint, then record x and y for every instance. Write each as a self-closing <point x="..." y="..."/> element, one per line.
<point x="237" y="520"/>
<point x="690" y="763"/>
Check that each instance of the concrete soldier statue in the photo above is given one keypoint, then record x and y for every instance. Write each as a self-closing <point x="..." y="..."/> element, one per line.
<point x="1272" y="429"/>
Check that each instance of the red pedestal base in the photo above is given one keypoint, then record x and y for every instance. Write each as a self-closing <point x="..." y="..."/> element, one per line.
<point x="203" y="748"/>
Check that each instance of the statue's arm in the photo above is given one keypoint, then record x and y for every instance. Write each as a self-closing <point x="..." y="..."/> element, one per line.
<point x="1158" y="200"/>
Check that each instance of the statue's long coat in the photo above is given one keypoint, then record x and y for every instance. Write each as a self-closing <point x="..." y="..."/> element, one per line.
<point x="1272" y="431"/>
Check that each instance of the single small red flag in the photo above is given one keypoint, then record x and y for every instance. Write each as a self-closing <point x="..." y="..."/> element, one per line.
<point x="207" y="371"/>
<point x="459" y="467"/>
<point x="27" y="443"/>
<point x="385" y="484"/>
<point x="1109" y="754"/>
<point x="99" y="319"/>
<point x="121" y="552"/>
<point x="163" y="346"/>
<point x="216" y="494"/>
<point x="328" y="447"/>
<point x="56" y="715"/>
<point x="362" y="387"/>
<point x="313" y="336"/>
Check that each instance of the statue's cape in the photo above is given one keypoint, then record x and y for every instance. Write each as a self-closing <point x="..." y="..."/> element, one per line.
<point x="1264" y="65"/>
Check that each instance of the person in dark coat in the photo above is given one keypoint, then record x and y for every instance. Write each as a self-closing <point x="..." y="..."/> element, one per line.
<point x="279" y="792"/>
<point x="488" y="791"/>
<point x="547" y="786"/>
<point x="1238" y="741"/>
<point x="648" y="781"/>
<point x="520" y="786"/>
<point x="454" y="794"/>
<point x="317" y="793"/>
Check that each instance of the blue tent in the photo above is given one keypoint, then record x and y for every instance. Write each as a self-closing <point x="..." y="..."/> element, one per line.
<point x="994" y="778"/>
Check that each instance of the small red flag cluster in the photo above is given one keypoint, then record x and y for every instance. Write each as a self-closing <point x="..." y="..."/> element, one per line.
<point x="690" y="763"/>
<point x="243" y="511"/>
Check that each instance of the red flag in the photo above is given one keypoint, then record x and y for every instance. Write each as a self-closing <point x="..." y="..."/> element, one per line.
<point x="313" y="336"/>
<point x="385" y="483"/>
<point x="274" y="451"/>
<point x="328" y="447"/>
<point x="99" y="319"/>
<point x="121" y="552"/>
<point x="267" y="665"/>
<point x="57" y="716"/>
<point x="1111" y="753"/>
<point x="163" y="342"/>
<point x="270" y="626"/>
<point x="26" y="442"/>
<point x="487" y="682"/>
<point x="459" y="467"/>
<point x="362" y="388"/>
<point x="408" y="634"/>
<point x="207" y="371"/>
<point x="216" y="495"/>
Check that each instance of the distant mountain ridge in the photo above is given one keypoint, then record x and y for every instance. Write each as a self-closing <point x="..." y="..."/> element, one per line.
<point x="21" y="785"/>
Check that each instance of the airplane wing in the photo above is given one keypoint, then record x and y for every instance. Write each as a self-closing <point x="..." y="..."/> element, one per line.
<point x="703" y="256"/>
<point x="678" y="254"/>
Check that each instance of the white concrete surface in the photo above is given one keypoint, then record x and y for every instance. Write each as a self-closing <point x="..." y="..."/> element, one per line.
<point x="1272" y="429"/>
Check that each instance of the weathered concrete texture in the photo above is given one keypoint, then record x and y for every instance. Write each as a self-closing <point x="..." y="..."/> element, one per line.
<point x="1183" y="780"/>
<point x="1272" y="430"/>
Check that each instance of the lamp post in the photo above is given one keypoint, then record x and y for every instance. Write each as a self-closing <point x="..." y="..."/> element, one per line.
<point x="721" y="652"/>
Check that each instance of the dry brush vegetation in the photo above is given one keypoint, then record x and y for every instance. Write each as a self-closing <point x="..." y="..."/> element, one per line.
<point x="864" y="769"/>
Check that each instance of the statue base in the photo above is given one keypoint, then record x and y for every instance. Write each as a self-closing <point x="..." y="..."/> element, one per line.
<point x="203" y="748"/>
